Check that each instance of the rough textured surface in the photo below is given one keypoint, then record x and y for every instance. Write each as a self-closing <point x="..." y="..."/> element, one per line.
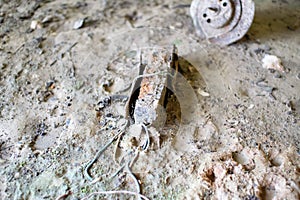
<point x="239" y="142"/>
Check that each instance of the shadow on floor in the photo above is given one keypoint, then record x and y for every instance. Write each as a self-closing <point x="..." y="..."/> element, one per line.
<point x="277" y="19"/>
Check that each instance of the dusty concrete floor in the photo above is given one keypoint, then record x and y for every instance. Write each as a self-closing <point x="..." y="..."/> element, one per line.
<point x="243" y="142"/>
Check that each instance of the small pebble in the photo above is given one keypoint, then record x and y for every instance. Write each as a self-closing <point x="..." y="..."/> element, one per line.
<point x="272" y="62"/>
<point x="203" y="93"/>
<point x="47" y="19"/>
<point x="17" y="175"/>
<point x="251" y="106"/>
<point x="35" y="24"/>
<point x="78" y="24"/>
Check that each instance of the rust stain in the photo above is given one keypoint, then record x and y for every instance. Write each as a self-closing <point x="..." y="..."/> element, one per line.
<point x="146" y="88"/>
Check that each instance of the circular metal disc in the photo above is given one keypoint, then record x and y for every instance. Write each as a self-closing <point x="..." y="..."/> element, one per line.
<point x="222" y="21"/>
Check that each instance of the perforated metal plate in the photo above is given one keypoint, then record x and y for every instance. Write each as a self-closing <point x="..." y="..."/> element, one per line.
<point x="222" y="21"/>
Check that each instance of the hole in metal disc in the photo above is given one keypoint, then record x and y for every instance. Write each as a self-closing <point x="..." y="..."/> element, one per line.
<point x="213" y="9"/>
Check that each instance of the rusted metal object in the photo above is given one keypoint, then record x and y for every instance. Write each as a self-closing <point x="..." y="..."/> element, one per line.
<point x="148" y="94"/>
<point x="222" y="21"/>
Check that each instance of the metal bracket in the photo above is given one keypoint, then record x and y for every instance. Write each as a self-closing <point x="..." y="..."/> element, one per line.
<point x="222" y="21"/>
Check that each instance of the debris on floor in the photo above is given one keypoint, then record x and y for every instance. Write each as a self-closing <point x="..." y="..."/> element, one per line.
<point x="78" y="24"/>
<point x="272" y="62"/>
<point x="230" y="130"/>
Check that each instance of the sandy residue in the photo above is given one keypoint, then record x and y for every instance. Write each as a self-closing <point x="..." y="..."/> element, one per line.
<point x="242" y="140"/>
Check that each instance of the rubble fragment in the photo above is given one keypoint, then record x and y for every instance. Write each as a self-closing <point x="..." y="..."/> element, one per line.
<point x="272" y="62"/>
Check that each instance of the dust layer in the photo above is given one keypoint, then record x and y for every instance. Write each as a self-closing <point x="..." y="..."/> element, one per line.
<point x="243" y="142"/>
